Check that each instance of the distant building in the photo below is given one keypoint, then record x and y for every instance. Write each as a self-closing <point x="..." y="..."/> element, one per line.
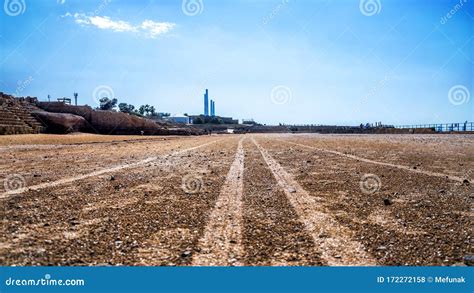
<point x="201" y="119"/>
<point x="248" y="122"/>
<point x="206" y="103"/>
<point x="209" y="116"/>
<point x="213" y="108"/>
<point x="65" y="100"/>
<point x="209" y="105"/>
<point x="182" y="119"/>
<point x="228" y="120"/>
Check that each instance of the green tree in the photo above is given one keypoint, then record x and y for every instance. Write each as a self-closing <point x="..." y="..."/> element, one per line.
<point x="126" y="108"/>
<point x="141" y="110"/>
<point x="198" y="120"/>
<point x="107" y="104"/>
<point x="152" y="111"/>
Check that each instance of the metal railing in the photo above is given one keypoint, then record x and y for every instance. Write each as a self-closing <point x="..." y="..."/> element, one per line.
<point x="443" y="127"/>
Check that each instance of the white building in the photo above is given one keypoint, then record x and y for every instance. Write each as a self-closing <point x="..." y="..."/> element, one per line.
<point x="179" y="119"/>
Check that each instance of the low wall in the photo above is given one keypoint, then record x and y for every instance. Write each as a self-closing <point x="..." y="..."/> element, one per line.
<point x="332" y="129"/>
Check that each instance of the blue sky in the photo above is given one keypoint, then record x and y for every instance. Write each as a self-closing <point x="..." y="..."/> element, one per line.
<point x="288" y="61"/>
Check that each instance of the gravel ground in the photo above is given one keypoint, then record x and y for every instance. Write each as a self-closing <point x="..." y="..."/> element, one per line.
<point x="273" y="233"/>
<point x="152" y="201"/>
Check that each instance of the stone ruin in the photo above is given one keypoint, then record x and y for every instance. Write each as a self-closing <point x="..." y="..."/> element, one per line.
<point x="28" y="115"/>
<point x="16" y="115"/>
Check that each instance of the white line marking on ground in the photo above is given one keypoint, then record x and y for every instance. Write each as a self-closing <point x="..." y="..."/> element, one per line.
<point x="35" y="147"/>
<point x="334" y="240"/>
<point x="406" y="168"/>
<point x="221" y="244"/>
<point x="95" y="173"/>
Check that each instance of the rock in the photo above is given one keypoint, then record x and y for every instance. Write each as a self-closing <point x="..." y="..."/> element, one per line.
<point x="387" y="201"/>
<point x="61" y="122"/>
<point x="186" y="253"/>
<point x="382" y="248"/>
<point x="469" y="260"/>
<point x="74" y="221"/>
<point x="112" y="178"/>
<point x="291" y="190"/>
<point x="441" y="191"/>
<point x="466" y="182"/>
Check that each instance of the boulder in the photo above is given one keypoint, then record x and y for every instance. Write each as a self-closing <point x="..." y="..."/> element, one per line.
<point x="61" y="122"/>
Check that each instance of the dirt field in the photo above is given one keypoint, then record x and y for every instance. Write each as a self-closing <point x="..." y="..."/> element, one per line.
<point x="280" y="200"/>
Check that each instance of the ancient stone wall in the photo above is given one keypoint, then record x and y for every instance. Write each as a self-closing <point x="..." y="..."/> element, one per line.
<point x="16" y="117"/>
<point x="111" y="122"/>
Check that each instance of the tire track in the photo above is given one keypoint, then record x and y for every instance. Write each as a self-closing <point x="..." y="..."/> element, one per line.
<point x="95" y="173"/>
<point x="273" y="234"/>
<point x="148" y="220"/>
<point x="414" y="229"/>
<point x="35" y="147"/>
<point x="401" y="167"/>
<point x="334" y="240"/>
<point x="221" y="244"/>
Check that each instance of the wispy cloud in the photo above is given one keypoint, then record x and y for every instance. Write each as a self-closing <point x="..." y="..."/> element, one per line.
<point x="148" y="28"/>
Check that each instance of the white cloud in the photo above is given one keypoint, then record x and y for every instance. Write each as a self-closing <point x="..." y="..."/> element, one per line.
<point x="61" y="2"/>
<point x="106" y="23"/>
<point x="154" y="29"/>
<point x="148" y="28"/>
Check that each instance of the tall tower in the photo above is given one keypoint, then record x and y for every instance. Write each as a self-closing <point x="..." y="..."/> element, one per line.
<point x="212" y="108"/>
<point x="206" y="103"/>
<point x="75" y="98"/>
